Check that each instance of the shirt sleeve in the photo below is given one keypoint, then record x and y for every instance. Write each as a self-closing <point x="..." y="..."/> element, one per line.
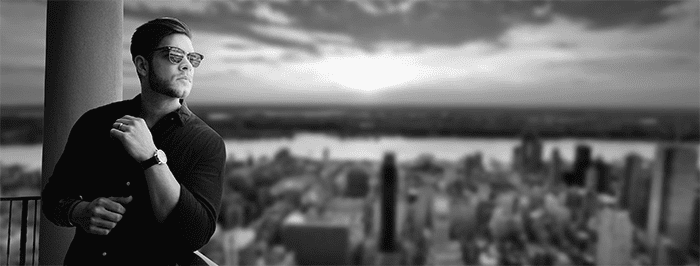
<point x="61" y="191"/>
<point x="193" y="220"/>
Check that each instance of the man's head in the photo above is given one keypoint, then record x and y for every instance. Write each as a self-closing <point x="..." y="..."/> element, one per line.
<point x="162" y="52"/>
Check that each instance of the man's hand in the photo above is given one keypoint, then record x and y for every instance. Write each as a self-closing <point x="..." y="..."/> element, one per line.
<point x="101" y="215"/>
<point x="134" y="134"/>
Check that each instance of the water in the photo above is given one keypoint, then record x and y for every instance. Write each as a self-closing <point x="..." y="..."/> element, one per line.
<point x="406" y="149"/>
<point x="312" y="145"/>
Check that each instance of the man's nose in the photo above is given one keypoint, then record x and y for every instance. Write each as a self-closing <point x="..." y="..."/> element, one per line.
<point x="186" y="64"/>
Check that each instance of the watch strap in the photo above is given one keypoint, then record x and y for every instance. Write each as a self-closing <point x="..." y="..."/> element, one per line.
<point x="150" y="161"/>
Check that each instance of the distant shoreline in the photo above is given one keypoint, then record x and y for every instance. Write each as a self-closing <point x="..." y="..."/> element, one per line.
<point x="24" y="124"/>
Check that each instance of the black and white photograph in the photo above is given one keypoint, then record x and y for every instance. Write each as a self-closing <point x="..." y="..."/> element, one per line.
<point x="350" y="132"/>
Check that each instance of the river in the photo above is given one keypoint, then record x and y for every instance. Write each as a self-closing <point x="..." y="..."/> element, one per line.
<point x="406" y="149"/>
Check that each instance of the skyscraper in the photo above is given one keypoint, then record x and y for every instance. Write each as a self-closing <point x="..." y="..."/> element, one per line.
<point x="695" y="222"/>
<point x="581" y="163"/>
<point x="591" y="180"/>
<point x="532" y="153"/>
<point x="640" y="192"/>
<point x="388" y="244"/>
<point x="527" y="157"/>
<point x="473" y="166"/>
<point x="556" y="166"/>
<point x="673" y="191"/>
<point x="517" y="158"/>
<point x="631" y="175"/>
<point x="603" y="178"/>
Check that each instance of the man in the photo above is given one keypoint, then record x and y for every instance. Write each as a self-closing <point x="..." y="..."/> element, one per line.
<point x="141" y="179"/>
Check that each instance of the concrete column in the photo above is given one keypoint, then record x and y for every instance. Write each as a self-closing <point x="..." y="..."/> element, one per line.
<point x="84" y="70"/>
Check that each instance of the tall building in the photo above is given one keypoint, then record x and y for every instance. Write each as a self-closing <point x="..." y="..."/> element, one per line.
<point x="389" y="251"/>
<point x="473" y="166"/>
<point x="326" y="154"/>
<point x="528" y="156"/>
<point x="532" y="153"/>
<point x="640" y="193"/>
<point x="673" y="191"/>
<point x="597" y="177"/>
<point x="518" y="158"/>
<point x="556" y="166"/>
<point x="581" y="163"/>
<point x="695" y="243"/>
<point x="632" y="174"/>
<point x="592" y="179"/>
<point x="615" y="233"/>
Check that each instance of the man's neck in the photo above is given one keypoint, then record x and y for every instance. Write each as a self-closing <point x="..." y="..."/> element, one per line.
<point x="154" y="106"/>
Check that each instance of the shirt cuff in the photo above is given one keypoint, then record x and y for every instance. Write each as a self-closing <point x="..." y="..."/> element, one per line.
<point x="63" y="211"/>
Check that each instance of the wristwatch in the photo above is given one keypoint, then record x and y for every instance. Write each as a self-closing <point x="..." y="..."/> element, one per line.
<point x="158" y="158"/>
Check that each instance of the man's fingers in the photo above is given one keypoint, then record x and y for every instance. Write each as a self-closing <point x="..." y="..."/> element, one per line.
<point x="108" y="216"/>
<point x="122" y="200"/>
<point x="113" y="206"/>
<point x="101" y="223"/>
<point x="115" y="133"/>
<point x="93" y="229"/>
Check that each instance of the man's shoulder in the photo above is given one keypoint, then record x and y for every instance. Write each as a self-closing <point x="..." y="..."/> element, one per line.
<point x="114" y="107"/>
<point x="205" y="136"/>
<point x="106" y="111"/>
<point x="203" y="127"/>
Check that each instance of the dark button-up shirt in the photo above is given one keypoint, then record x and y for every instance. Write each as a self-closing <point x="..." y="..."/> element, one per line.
<point x="94" y="165"/>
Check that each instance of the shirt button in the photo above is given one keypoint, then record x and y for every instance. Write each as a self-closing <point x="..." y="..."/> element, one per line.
<point x="104" y="254"/>
<point x="128" y="183"/>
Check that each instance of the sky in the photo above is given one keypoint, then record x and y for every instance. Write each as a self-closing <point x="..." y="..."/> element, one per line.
<point x="434" y="52"/>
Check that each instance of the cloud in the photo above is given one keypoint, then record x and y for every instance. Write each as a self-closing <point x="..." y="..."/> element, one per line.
<point x="422" y="23"/>
<point x="626" y="52"/>
<point x="266" y="12"/>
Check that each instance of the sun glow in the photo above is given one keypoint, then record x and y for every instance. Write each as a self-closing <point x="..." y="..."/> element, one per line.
<point x="367" y="74"/>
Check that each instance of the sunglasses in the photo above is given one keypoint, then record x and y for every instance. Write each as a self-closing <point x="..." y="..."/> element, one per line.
<point x="175" y="55"/>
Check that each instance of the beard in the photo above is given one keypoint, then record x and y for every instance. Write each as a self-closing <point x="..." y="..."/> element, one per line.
<point x="164" y="86"/>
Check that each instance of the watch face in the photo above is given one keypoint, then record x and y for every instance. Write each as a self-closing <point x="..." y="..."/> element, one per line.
<point x="160" y="156"/>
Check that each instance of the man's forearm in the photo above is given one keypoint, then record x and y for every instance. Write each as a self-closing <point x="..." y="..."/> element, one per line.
<point x="163" y="190"/>
<point x="59" y="211"/>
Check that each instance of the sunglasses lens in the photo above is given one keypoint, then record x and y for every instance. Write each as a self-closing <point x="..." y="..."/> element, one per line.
<point x="175" y="57"/>
<point x="195" y="59"/>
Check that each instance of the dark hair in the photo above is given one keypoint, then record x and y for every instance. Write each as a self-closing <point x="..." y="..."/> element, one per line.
<point x="149" y="35"/>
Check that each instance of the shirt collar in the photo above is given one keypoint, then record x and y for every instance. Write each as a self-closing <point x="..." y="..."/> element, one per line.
<point x="183" y="113"/>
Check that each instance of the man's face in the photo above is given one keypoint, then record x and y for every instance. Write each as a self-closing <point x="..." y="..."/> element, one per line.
<point x="164" y="77"/>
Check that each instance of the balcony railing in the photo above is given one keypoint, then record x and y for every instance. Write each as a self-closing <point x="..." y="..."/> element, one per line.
<point x="16" y="253"/>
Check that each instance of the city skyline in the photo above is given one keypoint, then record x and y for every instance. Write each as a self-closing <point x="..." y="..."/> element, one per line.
<point x="479" y="53"/>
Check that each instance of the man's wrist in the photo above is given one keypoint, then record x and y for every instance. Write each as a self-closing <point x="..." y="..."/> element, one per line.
<point x="71" y="210"/>
<point x="147" y="156"/>
<point x="157" y="158"/>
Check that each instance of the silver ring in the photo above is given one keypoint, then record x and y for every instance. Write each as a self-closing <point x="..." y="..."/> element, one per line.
<point x="120" y="126"/>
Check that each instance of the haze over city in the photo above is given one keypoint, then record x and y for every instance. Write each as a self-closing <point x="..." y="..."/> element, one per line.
<point x="474" y="53"/>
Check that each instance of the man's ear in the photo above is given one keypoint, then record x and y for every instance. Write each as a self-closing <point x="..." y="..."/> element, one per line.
<point x="141" y="65"/>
